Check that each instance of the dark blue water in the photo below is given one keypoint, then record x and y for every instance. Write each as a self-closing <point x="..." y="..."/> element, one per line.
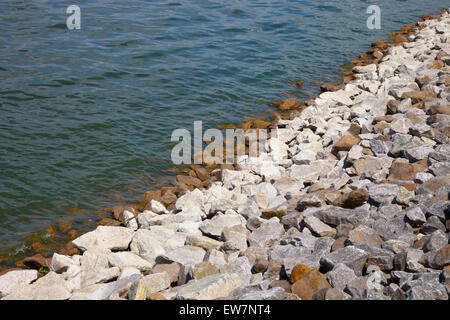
<point x="86" y="115"/>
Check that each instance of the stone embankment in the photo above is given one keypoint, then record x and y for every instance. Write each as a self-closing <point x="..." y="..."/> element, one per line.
<point x="358" y="209"/>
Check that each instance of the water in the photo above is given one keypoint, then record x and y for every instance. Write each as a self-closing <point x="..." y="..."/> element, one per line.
<point x="86" y="116"/>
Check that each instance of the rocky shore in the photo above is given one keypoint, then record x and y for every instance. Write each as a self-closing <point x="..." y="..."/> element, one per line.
<point x="358" y="209"/>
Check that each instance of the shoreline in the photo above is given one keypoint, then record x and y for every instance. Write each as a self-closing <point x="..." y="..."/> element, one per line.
<point x="199" y="177"/>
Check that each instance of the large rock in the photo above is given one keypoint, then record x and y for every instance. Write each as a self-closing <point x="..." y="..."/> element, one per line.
<point x="129" y="259"/>
<point x="266" y="235"/>
<point x="217" y="286"/>
<point x="112" y="238"/>
<point x="364" y="234"/>
<point x="351" y="256"/>
<point x="306" y="287"/>
<point x="340" y="276"/>
<point x="183" y="255"/>
<point x="318" y="227"/>
<point x="15" y="277"/>
<point x="215" y="226"/>
<point x="335" y="216"/>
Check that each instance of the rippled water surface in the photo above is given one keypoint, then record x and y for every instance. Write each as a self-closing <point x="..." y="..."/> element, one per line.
<point x="86" y="116"/>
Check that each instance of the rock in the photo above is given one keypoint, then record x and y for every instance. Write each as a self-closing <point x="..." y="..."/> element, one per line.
<point x="15" y="277"/>
<point x="215" y="226"/>
<point x="156" y="282"/>
<point x="239" y="266"/>
<point x="401" y="125"/>
<point x="353" y="199"/>
<point x="357" y="288"/>
<point x="383" y="193"/>
<point x="427" y="290"/>
<point x="60" y="263"/>
<point x="442" y="258"/>
<point x="235" y="238"/>
<point x="335" y="216"/>
<point x="157" y="207"/>
<point x="172" y="270"/>
<point x="299" y="272"/>
<point x="418" y="153"/>
<point x="306" y="287"/>
<point x="416" y="216"/>
<point x="404" y="196"/>
<point x="436" y="241"/>
<point x="364" y="234"/>
<point x="109" y="289"/>
<point x="289" y="104"/>
<point x="281" y="284"/>
<point x="318" y="227"/>
<point x="266" y="235"/>
<point x="202" y="242"/>
<point x="112" y="238"/>
<point x="217" y="258"/>
<point x="404" y="171"/>
<point x="129" y="259"/>
<point x="213" y="287"/>
<point x="351" y="256"/>
<point x="433" y="223"/>
<point x="345" y="143"/>
<point x="92" y="276"/>
<point x="340" y="276"/>
<point x="183" y="255"/>
<point x="329" y="294"/>
<point x="35" y="262"/>
<point x="202" y="270"/>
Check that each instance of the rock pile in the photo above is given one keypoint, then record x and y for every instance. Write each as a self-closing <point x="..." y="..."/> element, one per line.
<point x="358" y="209"/>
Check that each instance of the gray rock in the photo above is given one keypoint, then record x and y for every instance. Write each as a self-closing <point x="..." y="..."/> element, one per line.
<point x="351" y="256"/>
<point x="240" y="266"/>
<point x="382" y="193"/>
<point x="433" y="224"/>
<point x="436" y="241"/>
<point x="416" y="216"/>
<point x="340" y="276"/>
<point x="335" y="216"/>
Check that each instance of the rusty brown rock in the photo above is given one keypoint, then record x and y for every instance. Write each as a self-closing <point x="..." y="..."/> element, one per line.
<point x="299" y="272"/>
<point x="404" y="171"/>
<point x="171" y="269"/>
<point x="289" y="104"/>
<point x="306" y="287"/>
<point x="35" y="262"/>
<point x="352" y="199"/>
<point x="345" y="143"/>
<point x="108" y="222"/>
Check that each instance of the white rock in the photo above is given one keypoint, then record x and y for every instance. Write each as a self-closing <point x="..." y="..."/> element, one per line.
<point x="113" y="238"/>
